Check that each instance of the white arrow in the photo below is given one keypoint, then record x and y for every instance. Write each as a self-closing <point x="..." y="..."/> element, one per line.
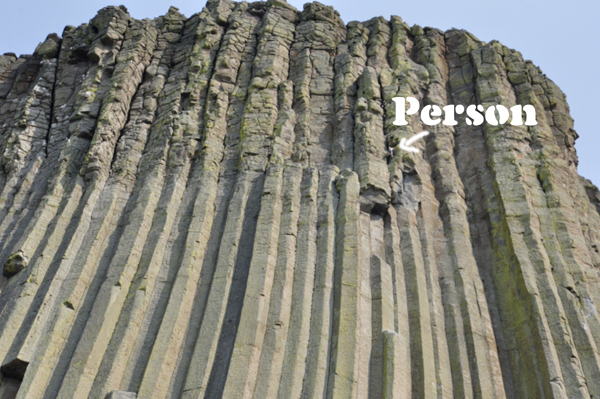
<point x="405" y="144"/>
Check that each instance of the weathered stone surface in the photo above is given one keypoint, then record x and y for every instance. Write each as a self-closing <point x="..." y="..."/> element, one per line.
<point x="50" y="48"/>
<point x="121" y="395"/>
<point x="15" y="263"/>
<point x="206" y="207"/>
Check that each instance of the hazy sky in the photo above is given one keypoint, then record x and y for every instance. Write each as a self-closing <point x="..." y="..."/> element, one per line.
<point x="558" y="36"/>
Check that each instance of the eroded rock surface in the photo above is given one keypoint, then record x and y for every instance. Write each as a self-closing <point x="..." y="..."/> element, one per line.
<point x="205" y="207"/>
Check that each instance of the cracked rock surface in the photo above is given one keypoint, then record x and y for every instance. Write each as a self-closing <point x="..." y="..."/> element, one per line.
<point x="206" y="207"/>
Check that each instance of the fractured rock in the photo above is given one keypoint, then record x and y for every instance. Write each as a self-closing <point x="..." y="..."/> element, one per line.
<point x="207" y="207"/>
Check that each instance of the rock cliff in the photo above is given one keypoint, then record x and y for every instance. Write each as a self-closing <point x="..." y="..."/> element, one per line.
<point x="205" y="207"/>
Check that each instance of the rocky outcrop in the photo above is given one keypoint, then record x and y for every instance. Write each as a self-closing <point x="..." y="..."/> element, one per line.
<point x="206" y="207"/>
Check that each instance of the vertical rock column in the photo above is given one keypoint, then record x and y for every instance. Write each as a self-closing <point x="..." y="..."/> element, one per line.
<point x="349" y="64"/>
<point x="114" y="196"/>
<point x="369" y="141"/>
<point x="106" y="43"/>
<point x="139" y="136"/>
<point x="129" y="65"/>
<point x="312" y="70"/>
<point x="522" y="232"/>
<point x="422" y="245"/>
<point x="344" y="360"/>
<point x="258" y="349"/>
<point x="223" y="123"/>
<point x="200" y="44"/>
<point x="481" y="200"/>
<point x="554" y="205"/>
<point x="114" y="22"/>
<point x="277" y="323"/>
<point x="257" y="126"/>
<point x="481" y="363"/>
<point x="109" y="207"/>
<point x="70" y="74"/>
<point x="396" y="346"/>
<point x="27" y="142"/>
<point x="317" y="369"/>
<point x="296" y="350"/>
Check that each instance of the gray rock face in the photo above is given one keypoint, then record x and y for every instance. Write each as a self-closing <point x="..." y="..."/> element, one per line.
<point x="121" y="395"/>
<point x="205" y="207"/>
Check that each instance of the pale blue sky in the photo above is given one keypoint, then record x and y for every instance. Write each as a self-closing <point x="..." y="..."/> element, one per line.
<point x="560" y="37"/>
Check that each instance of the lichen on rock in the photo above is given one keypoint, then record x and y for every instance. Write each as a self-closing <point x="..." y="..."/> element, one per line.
<point x="218" y="207"/>
<point x="15" y="263"/>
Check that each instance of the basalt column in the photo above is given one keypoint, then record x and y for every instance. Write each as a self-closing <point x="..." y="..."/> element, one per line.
<point x="217" y="206"/>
